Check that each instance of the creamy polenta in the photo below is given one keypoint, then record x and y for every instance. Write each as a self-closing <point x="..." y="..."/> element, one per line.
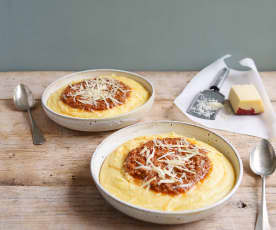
<point x="138" y="95"/>
<point x="214" y="187"/>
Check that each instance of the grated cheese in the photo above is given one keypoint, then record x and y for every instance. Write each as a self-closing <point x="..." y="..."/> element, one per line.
<point x="91" y="91"/>
<point x="168" y="174"/>
<point x="205" y="106"/>
<point x="147" y="183"/>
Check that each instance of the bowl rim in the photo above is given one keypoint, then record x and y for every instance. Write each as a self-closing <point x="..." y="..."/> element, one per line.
<point x="152" y="211"/>
<point x="150" y="99"/>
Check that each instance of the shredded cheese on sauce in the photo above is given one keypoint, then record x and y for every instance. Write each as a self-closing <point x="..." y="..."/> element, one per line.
<point x="168" y="174"/>
<point x="91" y="91"/>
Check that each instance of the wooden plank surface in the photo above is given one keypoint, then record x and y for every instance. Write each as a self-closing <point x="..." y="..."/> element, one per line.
<point x="50" y="186"/>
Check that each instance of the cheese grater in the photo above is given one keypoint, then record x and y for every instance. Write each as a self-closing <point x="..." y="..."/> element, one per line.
<point x="207" y="103"/>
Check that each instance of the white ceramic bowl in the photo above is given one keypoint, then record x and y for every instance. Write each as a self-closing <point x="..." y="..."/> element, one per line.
<point x="94" y="125"/>
<point x="158" y="127"/>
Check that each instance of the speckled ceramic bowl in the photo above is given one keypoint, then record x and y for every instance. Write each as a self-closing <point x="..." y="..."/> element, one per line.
<point x="94" y="125"/>
<point x="158" y="127"/>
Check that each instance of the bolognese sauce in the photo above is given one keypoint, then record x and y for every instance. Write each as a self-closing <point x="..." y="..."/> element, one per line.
<point x="100" y="93"/>
<point x="168" y="165"/>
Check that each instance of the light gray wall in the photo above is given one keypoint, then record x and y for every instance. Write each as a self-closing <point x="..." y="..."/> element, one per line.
<point x="134" y="34"/>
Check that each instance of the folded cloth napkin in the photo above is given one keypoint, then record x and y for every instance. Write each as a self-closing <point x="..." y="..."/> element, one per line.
<point x="263" y="125"/>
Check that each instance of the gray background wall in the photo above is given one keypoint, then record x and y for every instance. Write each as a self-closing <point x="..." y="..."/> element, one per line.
<point x="134" y="34"/>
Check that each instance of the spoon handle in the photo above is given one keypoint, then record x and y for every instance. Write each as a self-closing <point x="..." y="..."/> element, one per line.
<point x="262" y="220"/>
<point x="38" y="137"/>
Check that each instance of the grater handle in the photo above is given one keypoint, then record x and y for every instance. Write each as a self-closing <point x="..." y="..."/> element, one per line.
<point x="219" y="79"/>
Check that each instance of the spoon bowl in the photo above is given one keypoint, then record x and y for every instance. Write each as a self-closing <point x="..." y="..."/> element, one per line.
<point x="23" y="98"/>
<point x="263" y="159"/>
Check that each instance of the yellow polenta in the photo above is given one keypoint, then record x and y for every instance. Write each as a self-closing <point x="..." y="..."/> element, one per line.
<point x="138" y="96"/>
<point x="214" y="187"/>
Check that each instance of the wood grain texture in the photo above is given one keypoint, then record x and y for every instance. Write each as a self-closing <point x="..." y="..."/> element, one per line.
<point x="50" y="186"/>
<point x="81" y="207"/>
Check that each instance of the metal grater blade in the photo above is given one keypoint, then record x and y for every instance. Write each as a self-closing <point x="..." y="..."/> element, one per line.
<point x="206" y="104"/>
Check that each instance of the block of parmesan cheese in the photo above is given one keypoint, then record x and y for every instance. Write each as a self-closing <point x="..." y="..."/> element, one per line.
<point x="246" y="100"/>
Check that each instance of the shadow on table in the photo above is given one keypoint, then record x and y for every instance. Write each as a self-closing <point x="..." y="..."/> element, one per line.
<point x="88" y="205"/>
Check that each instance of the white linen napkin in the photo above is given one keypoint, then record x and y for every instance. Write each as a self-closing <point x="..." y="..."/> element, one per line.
<point x="263" y="125"/>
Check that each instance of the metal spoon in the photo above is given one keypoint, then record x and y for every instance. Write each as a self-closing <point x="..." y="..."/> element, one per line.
<point x="23" y="100"/>
<point x="263" y="163"/>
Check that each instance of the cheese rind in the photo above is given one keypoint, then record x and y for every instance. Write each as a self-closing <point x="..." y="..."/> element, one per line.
<point x="246" y="100"/>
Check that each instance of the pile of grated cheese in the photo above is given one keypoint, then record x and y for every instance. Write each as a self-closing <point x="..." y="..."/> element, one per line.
<point x="91" y="91"/>
<point x="206" y="107"/>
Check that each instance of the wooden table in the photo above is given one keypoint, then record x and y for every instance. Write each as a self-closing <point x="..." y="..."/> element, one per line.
<point x="50" y="187"/>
